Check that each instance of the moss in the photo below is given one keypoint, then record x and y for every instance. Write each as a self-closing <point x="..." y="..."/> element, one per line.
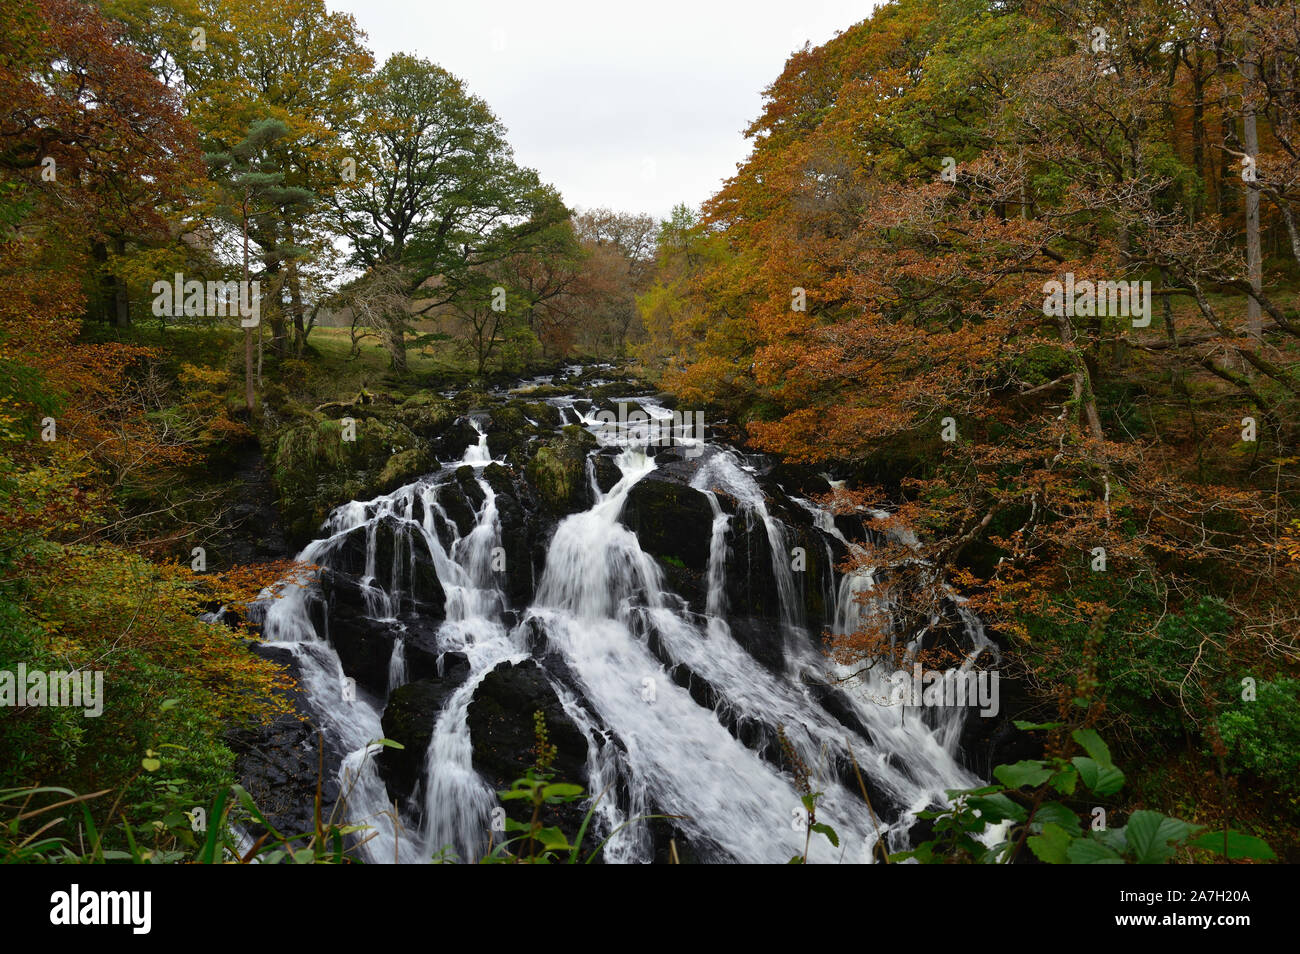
<point x="548" y="474"/>
<point x="558" y="470"/>
<point x="469" y="400"/>
<point x="426" y="415"/>
<point x="509" y="417"/>
<point x="402" y="468"/>
<point x="315" y="469"/>
<point x="544" y="414"/>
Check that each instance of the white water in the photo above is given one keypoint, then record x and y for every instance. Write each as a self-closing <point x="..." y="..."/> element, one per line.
<point x="600" y="599"/>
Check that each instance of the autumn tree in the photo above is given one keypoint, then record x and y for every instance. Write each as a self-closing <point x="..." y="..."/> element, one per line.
<point x="878" y="302"/>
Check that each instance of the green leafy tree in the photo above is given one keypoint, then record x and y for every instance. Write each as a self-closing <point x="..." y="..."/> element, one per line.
<point x="254" y="197"/>
<point x="438" y="196"/>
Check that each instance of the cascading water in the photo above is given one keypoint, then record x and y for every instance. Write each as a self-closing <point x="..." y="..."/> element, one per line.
<point x="623" y="638"/>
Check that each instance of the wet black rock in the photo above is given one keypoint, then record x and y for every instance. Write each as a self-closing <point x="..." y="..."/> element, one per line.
<point x="501" y="727"/>
<point x="451" y="443"/>
<point x="762" y="639"/>
<point x="501" y="724"/>
<point x="672" y="521"/>
<point x="279" y="764"/>
<point x="409" y="718"/>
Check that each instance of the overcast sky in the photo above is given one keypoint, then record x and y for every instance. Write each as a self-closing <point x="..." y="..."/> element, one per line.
<point x="635" y="108"/>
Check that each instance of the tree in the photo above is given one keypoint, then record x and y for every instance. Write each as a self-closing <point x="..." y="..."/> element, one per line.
<point x="437" y="193"/>
<point x="250" y="190"/>
<point x="296" y="62"/>
<point x="90" y="137"/>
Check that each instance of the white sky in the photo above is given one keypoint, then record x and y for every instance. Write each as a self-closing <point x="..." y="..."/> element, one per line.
<point x="635" y="108"/>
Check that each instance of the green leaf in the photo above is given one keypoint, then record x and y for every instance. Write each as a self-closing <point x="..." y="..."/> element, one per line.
<point x="828" y="831"/>
<point x="1149" y="833"/>
<point x="953" y="793"/>
<point x="1024" y="773"/>
<point x="1052" y="846"/>
<point x="1054" y="813"/>
<point x="1100" y="779"/>
<point x="562" y="790"/>
<point x="997" y="808"/>
<point x="151" y="765"/>
<point x="1239" y="845"/>
<point x="1088" y="851"/>
<point x="246" y="800"/>
<point x="1066" y="780"/>
<point x="1092" y="744"/>
<point x="1024" y="726"/>
<point x="553" y="839"/>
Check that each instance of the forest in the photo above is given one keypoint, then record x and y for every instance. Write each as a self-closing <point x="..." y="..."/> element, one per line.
<point x="307" y="394"/>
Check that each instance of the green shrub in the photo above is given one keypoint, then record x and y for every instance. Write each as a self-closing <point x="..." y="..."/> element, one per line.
<point x="1263" y="735"/>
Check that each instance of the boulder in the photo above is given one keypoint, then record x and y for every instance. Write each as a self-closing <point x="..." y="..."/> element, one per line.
<point x="672" y="521"/>
<point x="409" y="718"/>
<point x="501" y="727"/>
<point x="558" y="471"/>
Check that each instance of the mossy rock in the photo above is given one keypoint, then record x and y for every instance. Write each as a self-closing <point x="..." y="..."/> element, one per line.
<point x="315" y="469"/>
<point x="508" y="417"/>
<point x="471" y="399"/>
<point x="543" y="391"/>
<point x="424" y="398"/>
<point x="508" y="428"/>
<point x="546" y="415"/>
<point x="403" y="468"/>
<point x="428" y="416"/>
<point x="499" y="479"/>
<point x="558" y="471"/>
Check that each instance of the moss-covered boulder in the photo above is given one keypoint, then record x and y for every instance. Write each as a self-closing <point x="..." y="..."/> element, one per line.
<point x="315" y="467"/>
<point x="426" y="414"/>
<point x="403" y="468"/>
<point x="558" y="471"/>
<point x="546" y="415"/>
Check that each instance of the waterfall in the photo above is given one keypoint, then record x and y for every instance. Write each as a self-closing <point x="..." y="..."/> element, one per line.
<point x="679" y="716"/>
<point x="721" y="471"/>
<point x="599" y="596"/>
<point x="397" y="675"/>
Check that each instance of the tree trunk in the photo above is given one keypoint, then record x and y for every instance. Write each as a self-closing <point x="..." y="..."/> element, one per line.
<point x="295" y="301"/>
<point x="248" y="368"/>
<point x="1254" y="269"/>
<point x="1198" y="129"/>
<point x="395" y="342"/>
<point x="248" y="332"/>
<point x="121" y="300"/>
